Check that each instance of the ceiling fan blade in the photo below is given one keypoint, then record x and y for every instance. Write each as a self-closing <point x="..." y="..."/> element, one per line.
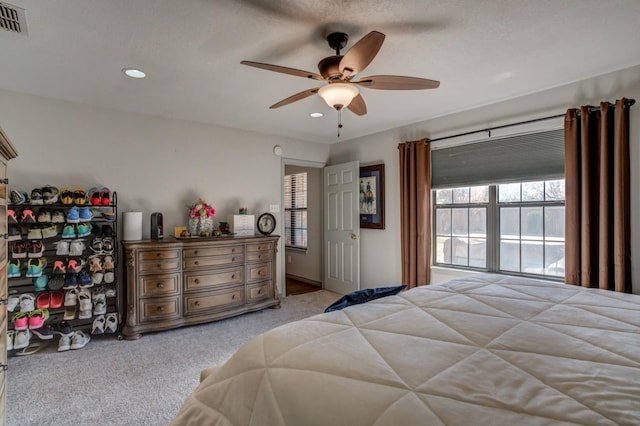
<point x="396" y="82"/>
<point x="294" y="98"/>
<point x="284" y="70"/>
<point x="361" y="54"/>
<point x="357" y="106"/>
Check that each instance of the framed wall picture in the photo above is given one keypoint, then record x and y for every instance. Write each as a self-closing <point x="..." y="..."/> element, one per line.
<point x="372" y="197"/>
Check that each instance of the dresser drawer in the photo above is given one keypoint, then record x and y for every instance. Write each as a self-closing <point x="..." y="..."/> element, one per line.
<point x="159" y="266"/>
<point x="159" y="255"/>
<point x="159" y="285"/>
<point x="259" y="255"/>
<point x="212" y="251"/>
<point x="198" y="262"/>
<point x="214" y="300"/>
<point x="152" y="310"/>
<point x="258" y="292"/>
<point x="258" y="272"/>
<point x="257" y="247"/>
<point x="194" y="281"/>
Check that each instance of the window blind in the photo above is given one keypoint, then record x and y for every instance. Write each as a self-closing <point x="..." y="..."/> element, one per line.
<point x="515" y="158"/>
<point x="295" y="205"/>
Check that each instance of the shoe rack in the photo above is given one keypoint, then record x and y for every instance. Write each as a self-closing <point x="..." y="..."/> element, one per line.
<point x="69" y="249"/>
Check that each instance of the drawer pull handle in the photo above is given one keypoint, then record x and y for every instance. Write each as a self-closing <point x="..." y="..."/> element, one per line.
<point x="260" y="291"/>
<point x="195" y="252"/>
<point x="159" y="265"/>
<point x="160" y="285"/>
<point x="197" y="303"/>
<point x="233" y="259"/>
<point x="159" y="254"/>
<point x="161" y="309"/>
<point x="233" y="296"/>
<point x="197" y="281"/>
<point x="233" y="277"/>
<point x="196" y="263"/>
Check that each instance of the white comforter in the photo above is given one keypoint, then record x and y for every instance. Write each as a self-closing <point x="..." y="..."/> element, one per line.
<point x="485" y="350"/>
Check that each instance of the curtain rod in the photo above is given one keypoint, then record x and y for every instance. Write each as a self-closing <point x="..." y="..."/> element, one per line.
<point x="489" y="129"/>
<point x="628" y="102"/>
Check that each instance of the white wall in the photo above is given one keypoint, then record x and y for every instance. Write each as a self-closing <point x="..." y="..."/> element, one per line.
<point x="380" y="249"/>
<point x="307" y="264"/>
<point x="154" y="164"/>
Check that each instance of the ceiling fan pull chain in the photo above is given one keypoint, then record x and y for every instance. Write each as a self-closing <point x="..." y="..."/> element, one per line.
<point x="339" y="121"/>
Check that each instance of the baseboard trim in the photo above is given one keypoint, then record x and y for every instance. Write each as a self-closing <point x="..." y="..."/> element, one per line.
<point x="304" y="280"/>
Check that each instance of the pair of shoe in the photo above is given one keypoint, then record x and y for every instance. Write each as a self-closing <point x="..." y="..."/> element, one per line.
<point x="35" y="267"/>
<point x="79" y="230"/>
<point x="105" y="324"/>
<point x="40" y="233"/>
<point x="70" y="248"/>
<point x="100" y="197"/>
<point x="47" y="215"/>
<point x="19" y="197"/>
<point x="34" y="249"/>
<point x="80" y="299"/>
<point x="30" y="320"/>
<point x="102" y="230"/>
<point x="102" y="245"/>
<point x="46" y="195"/>
<point x="74" y="265"/>
<point x="25" y="216"/>
<point x="49" y="299"/>
<point x="74" y="280"/>
<point x="82" y="214"/>
<point x="77" y="196"/>
<point x="78" y="340"/>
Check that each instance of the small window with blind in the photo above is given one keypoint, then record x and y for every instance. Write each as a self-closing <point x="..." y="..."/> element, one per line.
<point x="295" y="210"/>
<point x="498" y="205"/>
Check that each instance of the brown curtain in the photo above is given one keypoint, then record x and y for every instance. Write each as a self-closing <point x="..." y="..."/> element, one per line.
<point x="415" y="211"/>
<point x="597" y="223"/>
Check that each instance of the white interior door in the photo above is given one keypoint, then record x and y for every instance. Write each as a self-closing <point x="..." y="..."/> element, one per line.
<point x="342" y="228"/>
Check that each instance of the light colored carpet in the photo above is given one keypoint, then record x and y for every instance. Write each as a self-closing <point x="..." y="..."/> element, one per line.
<point x="142" y="382"/>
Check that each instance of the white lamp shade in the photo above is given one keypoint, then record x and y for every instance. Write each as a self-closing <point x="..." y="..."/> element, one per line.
<point x="338" y="95"/>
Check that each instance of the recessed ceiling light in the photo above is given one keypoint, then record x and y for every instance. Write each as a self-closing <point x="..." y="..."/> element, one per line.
<point x="316" y="114"/>
<point x="133" y="73"/>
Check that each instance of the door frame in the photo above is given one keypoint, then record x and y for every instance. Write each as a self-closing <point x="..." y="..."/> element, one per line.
<point x="282" y="258"/>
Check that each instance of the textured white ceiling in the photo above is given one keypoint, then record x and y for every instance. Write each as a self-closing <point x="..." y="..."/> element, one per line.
<point x="481" y="51"/>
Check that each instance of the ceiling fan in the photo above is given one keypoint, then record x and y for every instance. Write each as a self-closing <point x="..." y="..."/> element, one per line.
<point x="339" y="70"/>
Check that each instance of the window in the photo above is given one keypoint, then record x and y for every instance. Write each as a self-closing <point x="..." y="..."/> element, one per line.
<point x="513" y="227"/>
<point x="295" y="208"/>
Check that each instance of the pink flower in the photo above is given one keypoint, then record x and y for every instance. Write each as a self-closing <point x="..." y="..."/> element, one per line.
<point x="201" y="210"/>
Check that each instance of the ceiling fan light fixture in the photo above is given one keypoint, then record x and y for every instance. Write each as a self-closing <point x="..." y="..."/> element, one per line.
<point x="338" y="95"/>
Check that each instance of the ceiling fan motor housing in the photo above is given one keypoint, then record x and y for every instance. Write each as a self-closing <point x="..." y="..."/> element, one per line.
<point x="329" y="67"/>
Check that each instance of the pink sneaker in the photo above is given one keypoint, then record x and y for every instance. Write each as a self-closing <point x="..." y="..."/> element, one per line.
<point x="21" y="321"/>
<point x="37" y="318"/>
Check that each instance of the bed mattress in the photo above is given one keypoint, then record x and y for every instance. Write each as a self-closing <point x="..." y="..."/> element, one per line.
<point x="488" y="349"/>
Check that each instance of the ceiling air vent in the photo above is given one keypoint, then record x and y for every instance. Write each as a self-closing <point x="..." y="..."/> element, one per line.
<point x="12" y="18"/>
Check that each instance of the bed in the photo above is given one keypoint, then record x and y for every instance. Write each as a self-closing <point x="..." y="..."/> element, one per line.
<point x="488" y="350"/>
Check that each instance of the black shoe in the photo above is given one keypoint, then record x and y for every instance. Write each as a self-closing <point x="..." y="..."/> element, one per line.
<point x="45" y="332"/>
<point x="63" y="328"/>
<point x="15" y="233"/>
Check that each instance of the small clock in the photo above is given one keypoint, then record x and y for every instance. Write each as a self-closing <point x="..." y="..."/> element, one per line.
<point x="266" y="223"/>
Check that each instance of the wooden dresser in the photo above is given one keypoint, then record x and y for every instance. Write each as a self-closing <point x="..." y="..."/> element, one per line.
<point x="172" y="283"/>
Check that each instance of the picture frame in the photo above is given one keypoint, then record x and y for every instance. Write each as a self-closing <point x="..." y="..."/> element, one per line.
<point x="371" y="201"/>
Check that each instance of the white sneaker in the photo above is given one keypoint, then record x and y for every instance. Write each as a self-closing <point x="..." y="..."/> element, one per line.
<point x="21" y="339"/>
<point x="111" y="325"/>
<point x="99" y="303"/>
<point x="64" y="343"/>
<point x="76" y="248"/>
<point x="71" y="297"/>
<point x="84" y="299"/>
<point x="84" y="314"/>
<point x="10" y="335"/>
<point x="62" y="248"/>
<point x="98" y="325"/>
<point x="13" y="302"/>
<point x="79" y="340"/>
<point x="27" y="302"/>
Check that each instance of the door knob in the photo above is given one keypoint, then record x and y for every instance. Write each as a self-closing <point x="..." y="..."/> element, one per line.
<point x="354" y="237"/>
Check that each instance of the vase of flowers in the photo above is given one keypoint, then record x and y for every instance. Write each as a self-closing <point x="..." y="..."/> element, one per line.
<point x="201" y="218"/>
